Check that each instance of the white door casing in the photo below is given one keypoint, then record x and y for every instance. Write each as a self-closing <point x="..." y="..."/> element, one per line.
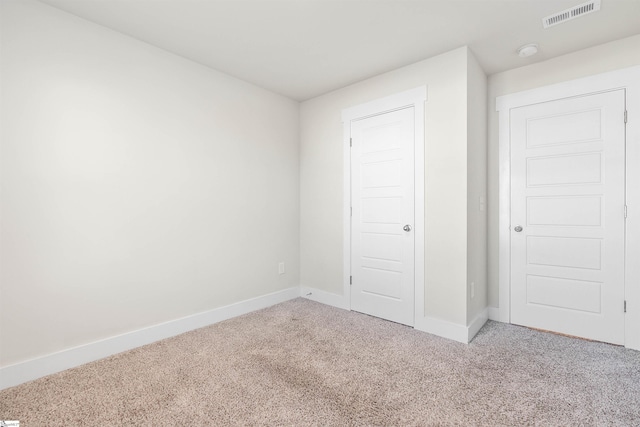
<point x="385" y="249"/>
<point x="629" y="80"/>
<point x="382" y="199"/>
<point x="567" y="216"/>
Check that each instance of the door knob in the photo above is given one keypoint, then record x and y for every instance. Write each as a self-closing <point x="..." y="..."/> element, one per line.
<point x="407" y="228"/>
<point x="517" y="228"/>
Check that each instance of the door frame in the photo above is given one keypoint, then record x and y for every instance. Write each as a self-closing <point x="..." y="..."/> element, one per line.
<point x="629" y="80"/>
<point x="415" y="98"/>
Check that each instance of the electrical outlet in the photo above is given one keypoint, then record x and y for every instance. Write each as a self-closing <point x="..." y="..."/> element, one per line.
<point x="473" y="289"/>
<point x="281" y="268"/>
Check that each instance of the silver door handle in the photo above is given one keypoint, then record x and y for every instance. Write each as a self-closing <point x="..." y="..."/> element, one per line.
<point x="407" y="228"/>
<point x="517" y="228"/>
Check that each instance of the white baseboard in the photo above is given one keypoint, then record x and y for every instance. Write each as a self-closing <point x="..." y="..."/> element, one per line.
<point x="494" y="314"/>
<point x="444" y="329"/>
<point x="450" y="330"/>
<point x="324" y="297"/>
<point x="477" y="323"/>
<point x="35" y="368"/>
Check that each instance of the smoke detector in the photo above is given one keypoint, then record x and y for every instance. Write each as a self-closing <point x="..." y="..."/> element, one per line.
<point x="527" y="50"/>
<point x="571" y="13"/>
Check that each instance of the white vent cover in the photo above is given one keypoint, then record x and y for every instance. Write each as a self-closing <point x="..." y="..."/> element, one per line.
<point x="571" y="13"/>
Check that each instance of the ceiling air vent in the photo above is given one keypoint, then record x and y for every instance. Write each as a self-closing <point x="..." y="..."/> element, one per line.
<point x="571" y="13"/>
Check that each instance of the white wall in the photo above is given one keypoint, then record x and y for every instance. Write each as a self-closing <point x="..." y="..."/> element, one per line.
<point x="599" y="59"/>
<point x="446" y="182"/>
<point x="476" y="189"/>
<point x="137" y="187"/>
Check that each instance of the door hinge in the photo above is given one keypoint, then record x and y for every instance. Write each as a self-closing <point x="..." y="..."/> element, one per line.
<point x="625" y="116"/>
<point x="351" y="139"/>
<point x="352" y="210"/>
<point x="351" y="280"/>
<point x="625" y="211"/>
<point x="625" y="306"/>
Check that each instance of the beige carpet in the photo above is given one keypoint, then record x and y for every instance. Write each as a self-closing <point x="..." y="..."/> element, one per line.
<point x="301" y="363"/>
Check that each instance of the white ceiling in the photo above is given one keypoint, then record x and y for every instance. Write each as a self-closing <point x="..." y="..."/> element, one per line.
<point x="304" y="48"/>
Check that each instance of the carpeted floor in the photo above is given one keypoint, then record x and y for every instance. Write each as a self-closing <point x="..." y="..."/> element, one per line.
<point x="302" y="363"/>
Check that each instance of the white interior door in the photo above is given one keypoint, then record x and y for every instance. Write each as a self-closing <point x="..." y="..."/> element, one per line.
<point x="382" y="195"/>
<point x="568" y="216"/>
